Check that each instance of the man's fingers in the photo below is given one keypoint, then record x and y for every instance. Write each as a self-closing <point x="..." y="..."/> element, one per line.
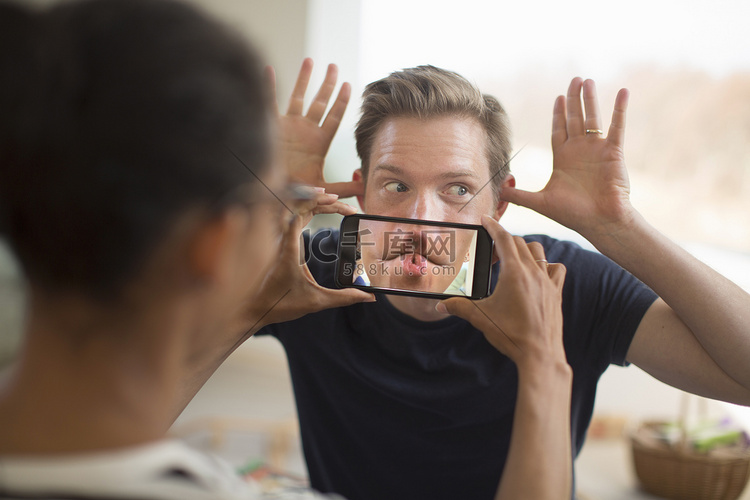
<point x="528" y="199"/>
<point x="591" y="103"/>
<point x="271" y="82"/>
<point x="559" y="122"/>
<point x="333" y="120"/>
<point x="616" y="133"/>
<point x="297" y="101"/>
<point x="346" y="189"/>
<point x="320" y="101"/>
<point x="574" y="109"/>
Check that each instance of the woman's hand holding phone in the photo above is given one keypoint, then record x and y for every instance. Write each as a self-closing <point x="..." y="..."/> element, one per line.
<point x="523" y="317"/>
<point x="289" y="290"/>
<point x="523" y="320"/>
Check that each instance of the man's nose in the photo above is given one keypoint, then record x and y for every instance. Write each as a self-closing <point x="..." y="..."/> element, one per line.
<point x="426" y="206"/>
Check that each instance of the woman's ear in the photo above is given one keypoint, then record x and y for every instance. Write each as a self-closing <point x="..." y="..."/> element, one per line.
<point x="502" y="206"/>
<point x="358" y="177"/>
<point x="210" y="248"/>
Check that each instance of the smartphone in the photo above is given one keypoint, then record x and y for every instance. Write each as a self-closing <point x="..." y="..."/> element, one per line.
<point x="414" y="257"/>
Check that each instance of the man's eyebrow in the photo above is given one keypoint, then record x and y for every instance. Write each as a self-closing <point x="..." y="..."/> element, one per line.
<point x="448" y="175"/>
<point x="388" y="168"/>
<point x="460" y="173"/>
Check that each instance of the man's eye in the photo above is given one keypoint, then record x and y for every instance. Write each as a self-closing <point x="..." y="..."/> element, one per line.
<point x="458" y="190"/>
<point x="396" y="187"/>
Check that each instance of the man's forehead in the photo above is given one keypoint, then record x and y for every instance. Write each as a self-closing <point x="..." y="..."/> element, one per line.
<point x="453" y="144"/>
<point x="445" y="127"/>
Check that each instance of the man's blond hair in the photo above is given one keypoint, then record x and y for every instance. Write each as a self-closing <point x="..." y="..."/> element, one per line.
<point x="427" y="92"/>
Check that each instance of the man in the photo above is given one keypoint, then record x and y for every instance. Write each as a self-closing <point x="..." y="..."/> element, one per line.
<point x="403" y="378"/>
<point x="137" y="191"/>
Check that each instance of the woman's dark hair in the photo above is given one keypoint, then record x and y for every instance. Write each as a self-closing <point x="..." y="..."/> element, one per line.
<point x="115" y="117"/>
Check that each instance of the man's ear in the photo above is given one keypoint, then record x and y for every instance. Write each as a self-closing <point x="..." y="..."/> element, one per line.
<point x="502" y="206"/>
<point x="358" y="177"/>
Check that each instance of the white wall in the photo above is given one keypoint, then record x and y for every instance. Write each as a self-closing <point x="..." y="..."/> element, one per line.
<point x="277" y="28"/>
<point x="286" y="31"/>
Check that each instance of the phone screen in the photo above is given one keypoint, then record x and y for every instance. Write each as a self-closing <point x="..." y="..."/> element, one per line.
<point x="414" y="257"/>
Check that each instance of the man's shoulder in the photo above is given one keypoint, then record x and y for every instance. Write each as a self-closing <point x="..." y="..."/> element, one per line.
<point x="581" y="263"/>
<point x="558" y="250"/>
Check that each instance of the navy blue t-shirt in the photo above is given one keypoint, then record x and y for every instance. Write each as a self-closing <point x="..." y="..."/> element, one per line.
<point x="391" y="407"/>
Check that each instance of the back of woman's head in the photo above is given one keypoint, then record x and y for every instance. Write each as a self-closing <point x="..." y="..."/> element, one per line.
<point x="122" y="115"/>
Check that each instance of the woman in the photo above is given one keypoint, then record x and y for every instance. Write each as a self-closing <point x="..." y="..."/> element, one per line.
<point x="139" y="192"/>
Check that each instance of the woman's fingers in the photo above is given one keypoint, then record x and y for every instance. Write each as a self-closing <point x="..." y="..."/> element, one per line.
<point x="537" y="253"/>
<point x="322" y="203"/>
<point x="335" y="208"/>
<point x="511" y="248"/>
<point x="504" y="243"/>
<point x="557" y="274"/>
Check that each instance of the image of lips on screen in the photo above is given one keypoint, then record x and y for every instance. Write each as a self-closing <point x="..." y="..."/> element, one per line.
<point x="415" y="257"/>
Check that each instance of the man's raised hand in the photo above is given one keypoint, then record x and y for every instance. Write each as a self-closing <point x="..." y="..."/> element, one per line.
<point x="304" y="139"/>
<point x="588" y="190"/>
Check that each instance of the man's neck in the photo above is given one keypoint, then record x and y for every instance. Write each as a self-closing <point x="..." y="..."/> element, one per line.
<point x="416" y="307"/>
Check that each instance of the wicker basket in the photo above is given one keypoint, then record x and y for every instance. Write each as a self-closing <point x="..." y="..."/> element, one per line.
<point x="681" y="473"/>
